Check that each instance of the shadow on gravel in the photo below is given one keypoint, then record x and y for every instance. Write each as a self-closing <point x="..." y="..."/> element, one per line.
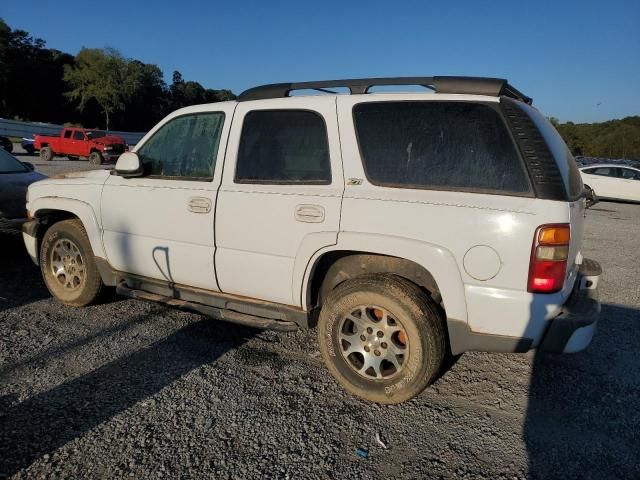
<point x="583" y="415"/>
<point x="49" y="420"/>
<point x="7" y="369"/>
<point x="20" y="280"/>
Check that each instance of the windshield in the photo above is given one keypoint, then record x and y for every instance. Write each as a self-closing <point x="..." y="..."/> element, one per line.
<point x="96" y="134"/>
<point x="10" y="164"/>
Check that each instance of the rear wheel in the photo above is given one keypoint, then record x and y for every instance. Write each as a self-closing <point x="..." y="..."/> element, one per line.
<point x="382" y="338"/>
<point x="95" y="158"/>
<point x="46" y="154"/>
<point x="67" y="264"/>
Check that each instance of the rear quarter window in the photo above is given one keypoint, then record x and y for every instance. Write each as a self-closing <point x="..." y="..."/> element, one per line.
<point x="564" y="159"/>
<point x="438" y="145"/>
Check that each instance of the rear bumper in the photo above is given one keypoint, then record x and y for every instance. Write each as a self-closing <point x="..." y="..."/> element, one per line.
<point x="537" y="321"/>
<point x="572" y="330"/>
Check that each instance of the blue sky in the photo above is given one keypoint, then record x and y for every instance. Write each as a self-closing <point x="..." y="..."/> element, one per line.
<point x="579" y="60"/>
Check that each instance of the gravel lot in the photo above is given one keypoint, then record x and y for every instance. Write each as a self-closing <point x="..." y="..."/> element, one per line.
<point x="136" y="390"/>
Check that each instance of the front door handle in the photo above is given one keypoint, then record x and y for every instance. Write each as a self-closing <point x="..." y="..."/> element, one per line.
<point x="310" y="213"/>
<point x="199" y="205"/>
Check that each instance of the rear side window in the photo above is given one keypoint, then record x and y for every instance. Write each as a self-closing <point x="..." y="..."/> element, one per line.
<point x="604" y="171"/>
<point x="283" y="147"/>
<point x="67" y="134"/>
<point x="438" y="145"/>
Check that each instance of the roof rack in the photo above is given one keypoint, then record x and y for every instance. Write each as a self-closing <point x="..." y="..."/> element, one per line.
<point x="494" y="87"/>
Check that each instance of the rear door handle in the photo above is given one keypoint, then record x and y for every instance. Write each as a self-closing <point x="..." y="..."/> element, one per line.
<point x="199" y="205"/>
<point x="310" y="213"/>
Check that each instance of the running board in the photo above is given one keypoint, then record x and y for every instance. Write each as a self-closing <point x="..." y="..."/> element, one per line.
<point x="213" y="312"/>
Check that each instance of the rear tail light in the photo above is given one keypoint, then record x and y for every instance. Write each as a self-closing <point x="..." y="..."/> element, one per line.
<point x="549" y="258"/>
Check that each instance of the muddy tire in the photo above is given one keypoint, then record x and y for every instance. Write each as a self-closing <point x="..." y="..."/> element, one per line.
<point x="68" y="266"/>
<point x="95" y="158"/>
<point x="382" y="338"/>
<point x="46" y="154"/>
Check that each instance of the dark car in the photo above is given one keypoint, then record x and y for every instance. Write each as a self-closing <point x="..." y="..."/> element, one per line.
<point x="15" y="178"/>
<point x="27" y="145"/>
<point x="6" y="144"/>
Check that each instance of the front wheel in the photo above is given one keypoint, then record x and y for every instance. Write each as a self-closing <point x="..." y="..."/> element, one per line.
<point x="95" y="158"/>
<point x="46" y="154"/>
<point x="67" y="264"/>
<point x="382" y="338"/>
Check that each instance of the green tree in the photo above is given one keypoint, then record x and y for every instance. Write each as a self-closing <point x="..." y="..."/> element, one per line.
<point x="611" y="139"/>
<point x="148" y="103"/>
<point x="104" y="76"/>
<point x="5" y="37"/>
<point x="31" y="84"/>
<point x="184" y="93"/>
<point x="95" y="87"/>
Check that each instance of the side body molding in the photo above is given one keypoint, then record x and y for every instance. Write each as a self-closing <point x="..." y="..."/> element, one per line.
<point x="436" y="259"/>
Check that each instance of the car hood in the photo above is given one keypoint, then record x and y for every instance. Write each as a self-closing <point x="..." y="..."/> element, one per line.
<point x="109" y="139"/>
<point x="13" y="193"/>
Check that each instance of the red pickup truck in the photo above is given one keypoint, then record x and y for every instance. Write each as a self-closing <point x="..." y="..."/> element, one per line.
<point x="74" y="143"/>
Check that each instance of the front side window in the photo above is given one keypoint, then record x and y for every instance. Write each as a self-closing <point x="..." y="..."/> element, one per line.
<point x="283" y="147"/>
<point x="184" y="147"/>
<point x="438" y="145"/>
<point x="77" y="135"/>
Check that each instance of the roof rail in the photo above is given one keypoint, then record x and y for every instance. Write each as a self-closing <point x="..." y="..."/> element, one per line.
<point x="494" y="87"/>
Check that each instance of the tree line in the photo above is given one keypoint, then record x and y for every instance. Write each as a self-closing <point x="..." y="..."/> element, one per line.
<point x="610" y="139"/>
<point x="97" y="88"/>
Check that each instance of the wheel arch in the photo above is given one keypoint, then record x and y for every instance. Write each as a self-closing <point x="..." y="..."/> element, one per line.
<point x="431" y="267"/>
<point x="50" y="210"/>
<point x="335" y="267"/>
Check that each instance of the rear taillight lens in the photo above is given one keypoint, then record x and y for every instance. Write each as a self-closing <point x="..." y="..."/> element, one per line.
<point x="549" y="258"/>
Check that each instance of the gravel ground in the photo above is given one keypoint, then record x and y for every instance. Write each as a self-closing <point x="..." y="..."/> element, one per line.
<point x="128" y="389"/>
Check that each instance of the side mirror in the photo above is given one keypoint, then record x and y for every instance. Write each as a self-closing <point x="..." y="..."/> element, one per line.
<point x="129" y="165"/>
<point x="29" y="165"/>
<point x="590" y="196"/>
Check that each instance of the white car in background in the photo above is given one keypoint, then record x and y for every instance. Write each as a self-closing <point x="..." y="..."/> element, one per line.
<point x="614" y="181"/>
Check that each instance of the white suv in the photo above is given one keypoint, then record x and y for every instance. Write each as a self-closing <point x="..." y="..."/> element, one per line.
<point x="408" y="226"/>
